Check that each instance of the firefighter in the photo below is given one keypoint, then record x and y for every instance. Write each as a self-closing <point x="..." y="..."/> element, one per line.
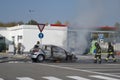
<point x="97" y="57"/>
<point x="110" y="52"/>
<point x="37" y="45"/>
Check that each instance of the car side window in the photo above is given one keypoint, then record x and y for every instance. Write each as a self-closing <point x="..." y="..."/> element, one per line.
<point x="46" y="48"/>
<point x="58" y="50"/>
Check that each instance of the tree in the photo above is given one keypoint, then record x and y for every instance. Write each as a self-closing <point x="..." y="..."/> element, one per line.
<point x="117" y="34"/>
<point x="32" y="22"/>
<point x="46" y="23"/>
<point x="58" y="22"/>
<point x="1" y="24"/>
<point x="10" y="24"/>
<point x="117" y="25"/>
<point x="66" y="23"/>
<point x="20" y="22"/>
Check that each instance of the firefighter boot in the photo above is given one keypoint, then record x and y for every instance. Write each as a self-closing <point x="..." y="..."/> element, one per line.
<point x="99" y="61"/>
<point x="114" y="60"/>
<point x="106" y="59"/>
<point x="95" y="61"/>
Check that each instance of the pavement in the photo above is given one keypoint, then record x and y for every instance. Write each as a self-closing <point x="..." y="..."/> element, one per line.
<point x="89" y="58"/>
<point x="5" y="56"/>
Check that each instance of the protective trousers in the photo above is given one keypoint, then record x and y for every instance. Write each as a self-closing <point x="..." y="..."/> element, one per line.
<point x="112" y="55"/>
<point x="97" y="58"/>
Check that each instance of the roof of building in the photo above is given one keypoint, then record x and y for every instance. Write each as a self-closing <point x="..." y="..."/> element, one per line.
<point x="58" y="25"/>
<point x="107" y="28"/>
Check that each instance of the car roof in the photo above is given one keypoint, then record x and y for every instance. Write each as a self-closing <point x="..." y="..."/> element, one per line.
<point x="49" y="45"/>
<point x="55" y="46"/>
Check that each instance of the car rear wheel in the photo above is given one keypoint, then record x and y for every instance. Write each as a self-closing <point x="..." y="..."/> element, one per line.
<point x="40" y="58"/>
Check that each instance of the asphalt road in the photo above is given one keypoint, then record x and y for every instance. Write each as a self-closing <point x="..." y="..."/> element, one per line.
<point x="20" y="67"/>
<point x="59" y="71"/>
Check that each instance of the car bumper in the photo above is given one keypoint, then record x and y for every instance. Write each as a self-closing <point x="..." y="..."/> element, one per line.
<point x="34" y="55"/>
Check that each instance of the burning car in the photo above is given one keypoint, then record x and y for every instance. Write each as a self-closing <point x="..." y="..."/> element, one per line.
<point x="50" y="52"/>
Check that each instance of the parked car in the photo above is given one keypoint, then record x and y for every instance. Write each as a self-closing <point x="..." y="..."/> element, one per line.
<point x="50" y="52"/>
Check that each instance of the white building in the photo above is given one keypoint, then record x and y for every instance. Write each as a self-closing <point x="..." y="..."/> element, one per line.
<point x="28" y="35"/>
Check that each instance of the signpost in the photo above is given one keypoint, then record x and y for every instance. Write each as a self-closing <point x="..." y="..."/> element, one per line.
<point x="101" y="38"/>
<point x="41" y="35"/>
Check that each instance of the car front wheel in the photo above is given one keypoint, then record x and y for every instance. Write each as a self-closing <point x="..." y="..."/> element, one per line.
<point x="40" y="58"/>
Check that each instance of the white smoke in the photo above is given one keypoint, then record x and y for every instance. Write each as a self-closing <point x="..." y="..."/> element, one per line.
<point x="78" y="40"/>
<point x="84" y="22"/>
<point x="91" y="13"/>
<point x="97" y="13"/>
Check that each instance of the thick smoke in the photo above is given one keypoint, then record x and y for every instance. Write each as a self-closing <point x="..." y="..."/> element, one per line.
<point x="78" y="40"/>
<point x="89" y="16"/>
<point x="85" y="21"/>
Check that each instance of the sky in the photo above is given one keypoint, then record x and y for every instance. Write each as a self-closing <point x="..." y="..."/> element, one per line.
<point x="76" y="12"/>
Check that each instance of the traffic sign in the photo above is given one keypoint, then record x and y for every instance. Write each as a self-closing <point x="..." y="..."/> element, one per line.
<point x="101" y="36"/>
<point x="41" y="27"/>
<point x="40" y="35"/>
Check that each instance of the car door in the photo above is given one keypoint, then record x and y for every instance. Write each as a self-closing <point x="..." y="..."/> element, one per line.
<point x="47" y="51"/>
<point x="58" y="52"/>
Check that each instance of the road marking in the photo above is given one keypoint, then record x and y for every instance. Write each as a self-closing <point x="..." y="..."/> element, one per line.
<point x="77" y="78"/>
<point x="51" y="78"/>
<point x="24" y="78"/>
<point x="1" y="79"/>
<point x="71" y="77"/>
<point x="69" y="68"/>
<point x="103" y="77"/>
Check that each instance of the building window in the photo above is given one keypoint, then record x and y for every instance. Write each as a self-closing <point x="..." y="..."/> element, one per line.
<point x="19" y="37"/>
